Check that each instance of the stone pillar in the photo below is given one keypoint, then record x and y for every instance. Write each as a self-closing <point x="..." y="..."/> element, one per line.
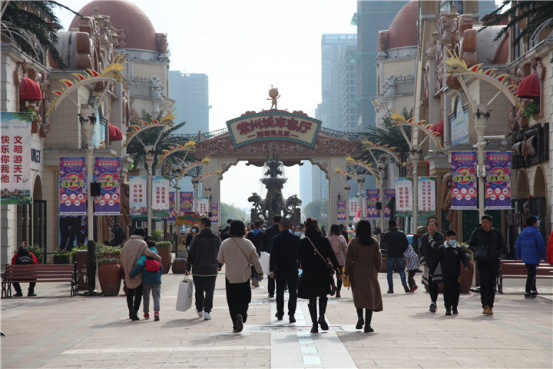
<point x="335" y="188"/>
<point x="215" y="184"/>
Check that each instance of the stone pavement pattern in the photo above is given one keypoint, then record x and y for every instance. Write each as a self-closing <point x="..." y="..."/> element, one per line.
<point x="56" y="331"/>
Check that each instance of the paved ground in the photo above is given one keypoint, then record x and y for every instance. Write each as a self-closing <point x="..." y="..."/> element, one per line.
<point x="56" y="331"/>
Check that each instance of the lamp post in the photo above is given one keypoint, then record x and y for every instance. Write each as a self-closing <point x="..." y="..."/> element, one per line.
<point x="347" y="188"/>
<point x="150" y="156"/>
<point x="381" y="174"/>
<point x="195" y="183"/>
<point x="87" y="118"/>
<point x="414" y="157"/>
<point x="480" y="122"/>
<point x="360" y="183"/>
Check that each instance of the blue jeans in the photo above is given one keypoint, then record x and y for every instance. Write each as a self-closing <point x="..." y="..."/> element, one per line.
<point x="390" y="270"/>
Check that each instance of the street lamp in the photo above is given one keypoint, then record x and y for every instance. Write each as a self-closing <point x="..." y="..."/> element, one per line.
<point x="195" y="183"/>
<point x="150" y="156"/>
<point x="360" y="183"/>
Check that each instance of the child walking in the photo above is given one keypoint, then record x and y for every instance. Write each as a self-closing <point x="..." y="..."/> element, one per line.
<point x="412" y="267"/>
<point x="450" y="256"/>
<point x="151" y="270"/>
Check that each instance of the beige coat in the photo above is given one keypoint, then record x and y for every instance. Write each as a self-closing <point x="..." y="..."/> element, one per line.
<point x="340" y="247"/>
<point x="362" y="266"/>
<point x="237" y="265"/>
<point x="130" y="253"/>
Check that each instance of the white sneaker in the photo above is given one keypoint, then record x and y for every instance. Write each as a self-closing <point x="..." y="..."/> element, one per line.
<point x="200" y="313"/>
<point x="207" y="316"/>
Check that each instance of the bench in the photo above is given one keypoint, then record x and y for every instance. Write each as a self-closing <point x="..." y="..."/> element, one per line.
<point x="517" y="269"/>
<point x="39" y="273"/>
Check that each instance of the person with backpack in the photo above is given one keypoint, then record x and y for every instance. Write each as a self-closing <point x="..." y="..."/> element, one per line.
<point x="151" y="270"/>
<point x="23" y="257"/>
<point x="256" y="237"/>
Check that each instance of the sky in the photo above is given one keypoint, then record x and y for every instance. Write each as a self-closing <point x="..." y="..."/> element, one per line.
<point x="245" y="46"/>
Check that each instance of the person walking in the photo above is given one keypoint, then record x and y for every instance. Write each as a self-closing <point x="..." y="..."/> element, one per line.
<point x="450" y="256"/>
<point x="362" y="264"/>
<point x="530" y="248"/>
<point x="256" y="237"/>
<point x="492" y="240"/>
<point x="266" y="244"/>
<point x="118" y="235"/>
<point x="238" y="254"/>
<point x="284" y="268"/>
<point x="24" y="257"/>
<point x="194" y="231"/>
<point x="340" y="248"/>
<point x="151" y="280"/>
<point x="202" y="260"/>
<point x="313" y="255"/>
<point x="429" y="246"/>
<point x="412" y="266"/>
<point x="130" y="253"/>
<point x="395" y="243"/>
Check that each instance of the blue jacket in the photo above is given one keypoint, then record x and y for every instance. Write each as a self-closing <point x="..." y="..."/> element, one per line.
<point x="147" y="277"/>
<point x="284" y="252"/>
<point x="530" y="246"/>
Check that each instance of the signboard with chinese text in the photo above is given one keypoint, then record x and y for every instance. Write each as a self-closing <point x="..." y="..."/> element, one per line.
<point x="72" y="186"/>
<point x="404" y="196"/>
<point x="463" y="180"/>
<point x="373" y="196"/>
<point x="388" y="194"/>
<point x="214" y="208"/>
<point x="138" y="195"/>
<point x="353" y="206"/>
<point x="427" y="197"/>
<point x="107" y="172"/>
<point x="498" y="180"/>
<point x="203" y="206"/>
<point x="459" y="124"/>
<point x="172" y="212"/>
<point x="186" y="202"/>
<point x="15" y="159"/>
<point x="160" y="196"/>
<point x="274" y="125"/>
<point x="341" y="210"/>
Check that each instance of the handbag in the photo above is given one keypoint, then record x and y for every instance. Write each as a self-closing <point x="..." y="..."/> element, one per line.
<point x="184" y="297"/>
<point x="327" y="261"/>
<point x="265" y="259"/>
<point x="481" y="253"/>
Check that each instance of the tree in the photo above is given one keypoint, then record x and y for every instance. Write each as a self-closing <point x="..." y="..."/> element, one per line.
<point x="230" y="211"/>
<point x="33" y="26"/>
<point x="536" y="15"/>
<point x="314" y="210"/>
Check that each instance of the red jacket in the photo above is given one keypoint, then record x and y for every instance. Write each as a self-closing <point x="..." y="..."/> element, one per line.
<point x="549" y="252"/>
<point x="35" y="260"/>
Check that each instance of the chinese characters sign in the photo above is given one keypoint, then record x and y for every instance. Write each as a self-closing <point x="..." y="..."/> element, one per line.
<point x="214" y="208"/>
<point x="15" y="163"/>
<point x="353" y="206"/>
<point x="463" y="180"/>
<point x="72" y="186"/>
<point x="404" y="196"/>
<point x="341" y="209"/>
<point x="388" y="194"/>
<point x="106" y="172"/>
<point x="373" y="195"/>
<point x="203" y="206"/>
<point x="138" y="195"/>
<point x="186" y="202"/>
<point x="498" y="180"/>
<point x="274" y="125"/>
<point x="427" y="197"/>
<point x="160" y="196"/>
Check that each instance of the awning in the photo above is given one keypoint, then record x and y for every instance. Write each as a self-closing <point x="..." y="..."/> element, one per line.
<point x="529" y="87"/>
<point x="115" y="133"/>
<point x="29" y="90"/>
<point x="438" y="128"/>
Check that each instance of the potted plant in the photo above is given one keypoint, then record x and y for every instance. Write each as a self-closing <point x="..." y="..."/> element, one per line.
<point x="530" y="109"/>
<point x="466" y="275"/>
<point x="62" y="257"/>
<point x="179" y="265"/>
<point x="104" y="251"/>
<point x="38" y="252"/>
<point x="164" y="250"/>
<point x="108" y="276"/>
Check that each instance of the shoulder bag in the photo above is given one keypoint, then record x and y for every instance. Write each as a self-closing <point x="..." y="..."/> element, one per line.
<point x="481" y="253"/>
<point x="327" y="261"/>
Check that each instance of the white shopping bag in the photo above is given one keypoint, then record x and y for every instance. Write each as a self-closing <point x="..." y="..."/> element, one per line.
<point x="265" y="259"/>
<point x="184" y="297"/>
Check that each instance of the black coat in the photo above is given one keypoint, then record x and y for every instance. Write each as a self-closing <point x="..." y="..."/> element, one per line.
<point x="267" y="241"/>
<point x="395" y="242"/>
<point x="315" y="279"/>
<point x="493" y="239"/>
<point x="429" y="247"/>
<point x="256" y="240"/>
<point x="284" y="253"/>
<point x="449" y="258"/>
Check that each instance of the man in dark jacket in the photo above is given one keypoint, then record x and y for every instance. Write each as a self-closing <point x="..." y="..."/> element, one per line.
<point x="284" y="268"/>
<point x="266" y="245"/>
<point x="395" y="242"/>
<point x="118" y="235"/>
<point x="344" y="232"/>
<point x="256" y="236"/>
<point x="484" y="236"/>
<point x="224" y="232"/>
<point x="530" y="248"/>
<point x="23" y="257"/>
<point x="430" y="243"/>
<point x="202" y="259"/>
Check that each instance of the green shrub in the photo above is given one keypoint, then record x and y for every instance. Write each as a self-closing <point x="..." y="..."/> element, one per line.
<point x="164" y="244"/>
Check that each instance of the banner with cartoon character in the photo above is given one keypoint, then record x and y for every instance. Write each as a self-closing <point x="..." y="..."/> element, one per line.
<point x="186" y="202"/>
<point x="72" y="186"/>
<point x="214" y="208"/>
<point x="172" y="212"/>
<point x="107" y="172"/>
<point x="341" y="209"/>
<point x="463" y="180"/>
<point x="498" y="180"/>
<point x="388" y="194"/>
<point x="373" y="196"/>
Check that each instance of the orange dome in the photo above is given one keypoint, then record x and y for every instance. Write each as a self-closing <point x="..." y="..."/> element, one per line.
<point x="404" y="31"/>
<point x="139" y="31"/>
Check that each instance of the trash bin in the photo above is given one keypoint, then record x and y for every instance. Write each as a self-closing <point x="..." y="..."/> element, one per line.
<point x="82" y="256"/>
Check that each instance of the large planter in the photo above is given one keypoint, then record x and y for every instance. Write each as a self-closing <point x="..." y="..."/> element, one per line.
<point x="165" y="254"/>
<point x="61" y="259"/>
<point x="466" y="277"/>
<point x="179" y="266"/>
<point x="109" y="277"/>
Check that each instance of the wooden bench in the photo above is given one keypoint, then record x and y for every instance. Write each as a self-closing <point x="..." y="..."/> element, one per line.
<point x="39" y="273"/>
<point x="517" y="269"/>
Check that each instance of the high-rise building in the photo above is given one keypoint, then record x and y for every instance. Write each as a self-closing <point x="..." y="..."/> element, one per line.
<point x="348" y="83"/>
<point x="191" y="94"/>
<point x="371" y="17"/>
<point x="306" y="183"/>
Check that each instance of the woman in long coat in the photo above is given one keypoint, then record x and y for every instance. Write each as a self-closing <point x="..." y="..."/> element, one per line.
<point x="315" y="279"/>
<point x="363" y="261"/>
